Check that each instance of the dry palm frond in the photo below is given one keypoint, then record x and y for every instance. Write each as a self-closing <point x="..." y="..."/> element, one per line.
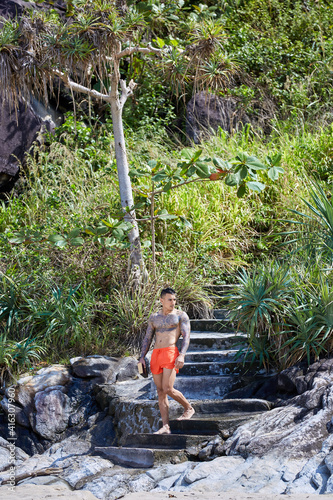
<point x="43" y="44"/>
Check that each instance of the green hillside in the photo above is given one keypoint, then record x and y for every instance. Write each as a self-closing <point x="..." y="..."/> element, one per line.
<point x="59" y="298"/>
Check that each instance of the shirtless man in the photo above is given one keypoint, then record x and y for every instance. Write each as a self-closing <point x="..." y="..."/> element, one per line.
<point x="167" y="325"/>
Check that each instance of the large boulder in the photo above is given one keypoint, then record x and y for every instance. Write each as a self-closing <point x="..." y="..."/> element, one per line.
<point x="207" y="112"/>
<point x="20" y="128"/>
<point x="297" y="427"/>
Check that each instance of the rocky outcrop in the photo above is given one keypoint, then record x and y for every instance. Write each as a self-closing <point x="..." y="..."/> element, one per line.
<point x="297" y="427"/>
<point x="20" y="128"/>
<point x="59" y="401"/>
<point x="283" y="450"/>
<point x="207" y="112"/>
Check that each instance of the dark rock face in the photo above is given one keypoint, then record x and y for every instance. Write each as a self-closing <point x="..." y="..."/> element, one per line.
<point x="17" y="133"/>
<point x="20" y="128"/>
<point x="11" y="8"/>
<point x="206" y="112"/>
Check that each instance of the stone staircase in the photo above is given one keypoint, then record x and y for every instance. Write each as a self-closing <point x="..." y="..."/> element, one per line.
<point x="210" y="373"/>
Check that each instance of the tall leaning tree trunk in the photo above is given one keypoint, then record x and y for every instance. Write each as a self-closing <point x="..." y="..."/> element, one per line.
<point x="138" y="270"/>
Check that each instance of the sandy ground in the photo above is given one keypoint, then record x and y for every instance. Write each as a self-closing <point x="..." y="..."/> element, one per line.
<point x="34" y="492"/>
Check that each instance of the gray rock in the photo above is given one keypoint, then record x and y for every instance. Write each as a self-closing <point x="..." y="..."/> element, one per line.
<point x="9" y="452"/>
<point x="159" y="473"/>
<point x="78" y="470"/>
<point x="128" y="369"/>
<point x="52" y="413"/>
<point x="207" y="112"/>
<point x="296" y="430"/>
<point x="167" y="483"/>
<point x="141" y="483"/>
<point x="287" y="379"/>
<point x="69" y="447"/>
<point x="206" y="452"/>
<point x="108" y="486"/>
<point x="219" y="467"/>
<point x="48" y="480"/>
<point x="128" y="457"/>
<point x="103" y="368"/>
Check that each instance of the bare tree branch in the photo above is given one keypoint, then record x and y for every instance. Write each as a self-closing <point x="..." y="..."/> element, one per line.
<point x="80" y="88"/>
<point x="144" y="50"/>
<point x="126" y="91"/>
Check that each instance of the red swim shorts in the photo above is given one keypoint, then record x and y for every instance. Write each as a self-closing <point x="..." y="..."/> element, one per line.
<point x="163" y="358"/>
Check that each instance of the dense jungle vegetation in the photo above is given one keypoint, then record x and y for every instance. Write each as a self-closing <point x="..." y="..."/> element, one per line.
<point x="59" y="298"/>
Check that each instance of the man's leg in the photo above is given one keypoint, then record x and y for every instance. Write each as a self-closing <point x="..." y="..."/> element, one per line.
<point x="163" y="404"/>
<point x="168" y="380"/>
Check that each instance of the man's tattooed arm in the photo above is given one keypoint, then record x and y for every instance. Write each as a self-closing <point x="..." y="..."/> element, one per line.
<point x="185" y="330"/>
<point x="148" y="338"/>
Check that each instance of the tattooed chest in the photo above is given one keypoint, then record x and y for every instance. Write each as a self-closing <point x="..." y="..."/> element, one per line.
<point x="166" y="323"/>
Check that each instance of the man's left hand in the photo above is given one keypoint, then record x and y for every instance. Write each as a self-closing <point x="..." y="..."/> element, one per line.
<point x="179" y="363"/>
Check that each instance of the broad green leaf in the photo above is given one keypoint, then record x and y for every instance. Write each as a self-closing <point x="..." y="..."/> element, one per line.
<point x="275" y="160"/>
<point x="124" y="226"/>
<point x="242" y="173"/>
<point x="241" y="157"/>
<point x="167" y="187"/>
<point x="202" y="170"/>
<point x="273" y="173"/>
<point x="101" y="230"/>
<point x="74" y="233"/>
<point x="18" y="238"/>
<point x="146" y="244"/>
<point x="160" y="176"/>
<point x="152" y="163"/>
<point x="241" y="191"/>
<point x="196" y="155"/>
<point x="256" y="186"/>
<point x="58" y="240"/>
<point x="223" y="165"/>
<point x="76" y="241"/>
<point x="232" y="180"/>
<point x="254" y="163"/>
<point x="118" y="234"/>
<point x="186" y="153"/>
<point x="191" y="171"/>
<point x="108" y="223"/>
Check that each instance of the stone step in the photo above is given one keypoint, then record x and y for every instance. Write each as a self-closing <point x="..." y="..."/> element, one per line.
<point x="202" y="387"/>
<point x="212" y="368"/>
<point x="220" y="290"/>
<point x="221" y="313"/>
<point x="176" y="441"/>
<point x="210" y="325"/>
<point x="140" y="457"/>
<point x="231" y="406"/>
<point x="211" y="425"/>
<point x="201" y="340"/>
<point x="219" y="355"/>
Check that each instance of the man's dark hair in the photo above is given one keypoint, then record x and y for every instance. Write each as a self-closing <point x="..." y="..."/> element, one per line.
<point x="167" y="290"/>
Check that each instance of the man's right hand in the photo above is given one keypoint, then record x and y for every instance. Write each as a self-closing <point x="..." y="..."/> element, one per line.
<point x="142" y="360"/>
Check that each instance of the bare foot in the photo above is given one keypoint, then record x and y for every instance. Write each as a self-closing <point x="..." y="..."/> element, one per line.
<point x="164" y="430"/>
<point x="187" y="414"/>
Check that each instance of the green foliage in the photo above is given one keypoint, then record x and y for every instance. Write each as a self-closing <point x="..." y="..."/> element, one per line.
<point x="316" y="233"/>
